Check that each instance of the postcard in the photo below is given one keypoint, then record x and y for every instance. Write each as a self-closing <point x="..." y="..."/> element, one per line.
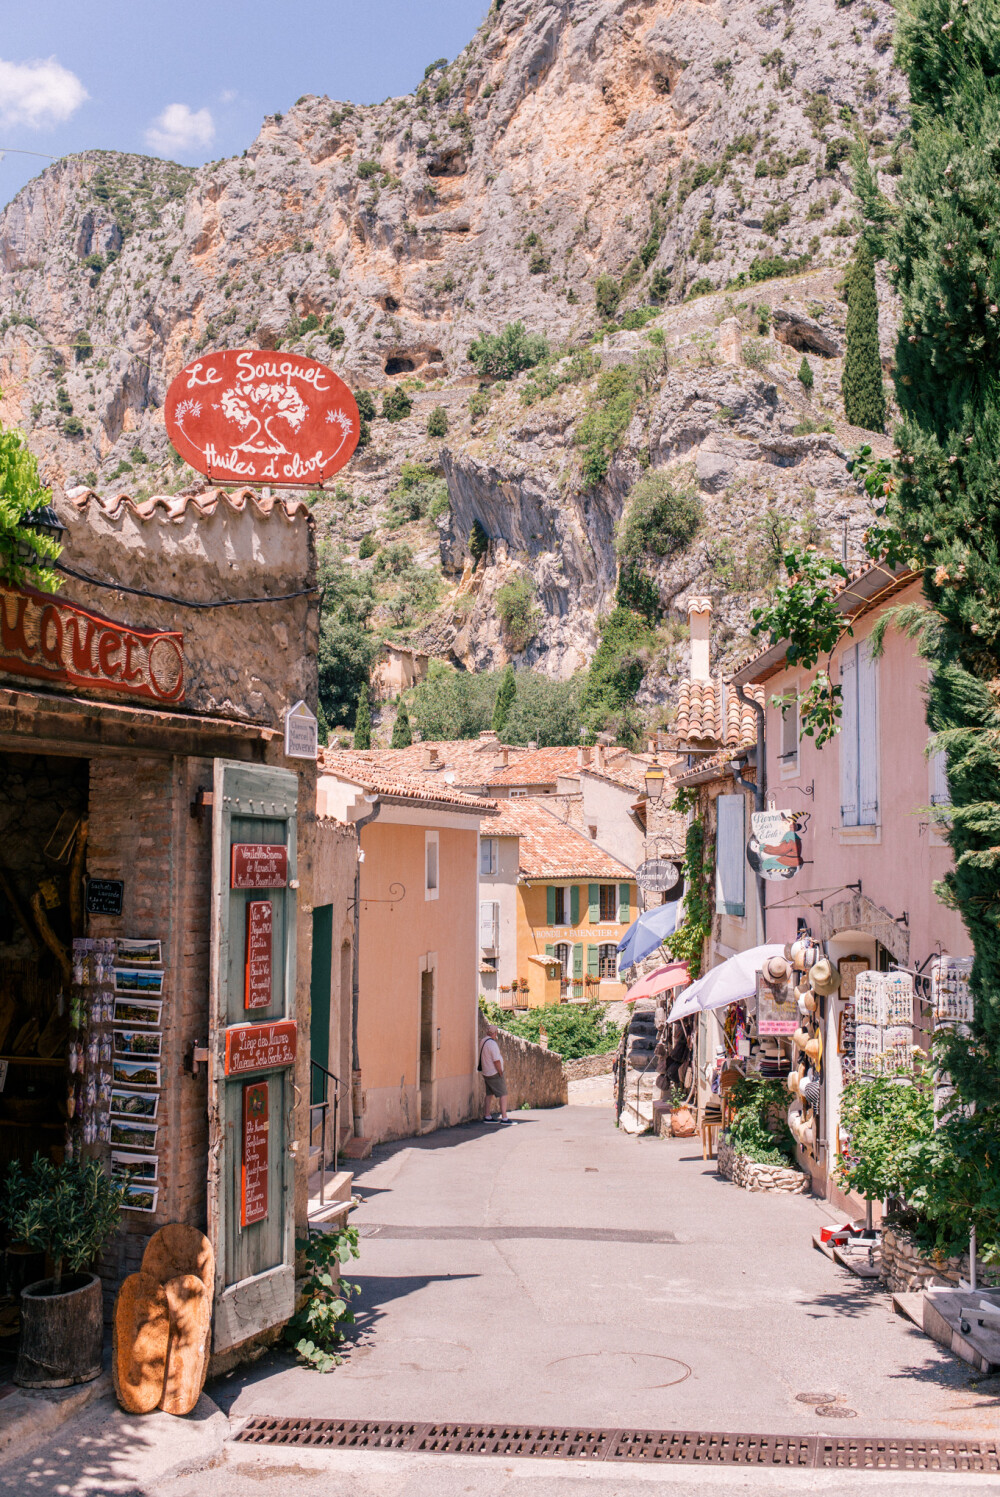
<point x="141" y="1198"/>
<point x="139" y="953"/>
<point x="129" y="1135"/>
<point x="138" y="980"/>
<point x="137" y="1042"/>
<point x="133" y="1104"/>
<point x="136" y="1167"/>
<point x="135" y="1072"/>
<point x="128" y="1011"/>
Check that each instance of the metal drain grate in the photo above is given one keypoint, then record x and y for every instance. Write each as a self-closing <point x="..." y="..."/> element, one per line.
<point x="652" y="1447"/>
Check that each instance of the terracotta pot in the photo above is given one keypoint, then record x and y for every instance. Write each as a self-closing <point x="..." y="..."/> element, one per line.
<point x="62" y="1335"/>
<point x="682" y="1122"/>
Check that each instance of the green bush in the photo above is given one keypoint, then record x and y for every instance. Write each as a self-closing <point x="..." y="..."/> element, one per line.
<point x="805" y="375"/>
<point x="884" y="1117"/>
<point x="479" y="542"/>
<point x="69" y="1211"/>
<point x="701" y="287"/>
<point x="73" y="427"/>
<point x="617" y="668"/>
<point x="460" y="704"/>
<point x="502" y="355"/>
<point x="607" y="295"/>
<point x="659" y="284"/>
<point x="368" y="169"/>
<point x="603" y="427"/>
<point x="573" y="1029"/>
<point x="518" y="611"/>
<point x="20" y="492"/>
<point x="368" y="546"/>
<point x="347" y="645"/>
<point x="758" y="1128"/>
<point x="336" y="337"/>
<point x="365" y="402"/>
<point x="479" y="403"/>
<point x="396" y="404"/>
<point x="316" y="1328"/>
<point x="437" y="422"/>
<point x="637" y="590"/>
<point x="636" y="319"/>
<point x="663" y="516"/>
<point x="756" y="354"/>
<point x="402" y="733"/>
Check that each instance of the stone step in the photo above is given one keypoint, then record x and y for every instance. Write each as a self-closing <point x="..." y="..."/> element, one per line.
<point x="357" y="1148"/>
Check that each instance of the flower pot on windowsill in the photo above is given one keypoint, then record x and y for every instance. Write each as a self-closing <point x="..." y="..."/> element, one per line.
<point x="62" y="1332"/>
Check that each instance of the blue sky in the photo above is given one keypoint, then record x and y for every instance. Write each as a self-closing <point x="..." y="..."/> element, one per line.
<point x="192" y="80"/>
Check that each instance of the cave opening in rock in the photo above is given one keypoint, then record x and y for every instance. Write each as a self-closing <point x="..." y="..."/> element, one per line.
<point x="399" y="366"/>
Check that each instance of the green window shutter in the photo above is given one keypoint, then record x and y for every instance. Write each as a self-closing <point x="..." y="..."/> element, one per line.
<point x="593" y="961"/>
<point x="550" y="950"/>
<point x="550" y="906"/>
<point x="577" y="961"/>
<point x="594" y="900"/>
<point x="624" y="904"/>
<point x="574" y="905"/>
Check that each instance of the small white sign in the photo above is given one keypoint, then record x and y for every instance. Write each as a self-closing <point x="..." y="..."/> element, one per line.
<point x="301" y="733"/>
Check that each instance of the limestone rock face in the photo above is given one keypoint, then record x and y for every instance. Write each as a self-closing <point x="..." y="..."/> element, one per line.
<point x="674" y="145"/>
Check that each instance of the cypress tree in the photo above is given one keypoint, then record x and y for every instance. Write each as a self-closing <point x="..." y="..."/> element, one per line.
<point x="944" y="257"/>
<point x="863" y="391"/>
<point x="805" y="375"/>
<point x="402" y="733"/>
<point x="363" y="721"/>
<point x="506" y="692"/>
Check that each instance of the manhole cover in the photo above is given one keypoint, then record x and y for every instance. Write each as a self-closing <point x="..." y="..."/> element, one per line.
<point x="636" y="1369"/>
<point x="815" y="1397"/>
<point x="835" y="1411"/>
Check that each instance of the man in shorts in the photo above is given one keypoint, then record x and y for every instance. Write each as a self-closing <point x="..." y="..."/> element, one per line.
<point x="491" y="1065"/>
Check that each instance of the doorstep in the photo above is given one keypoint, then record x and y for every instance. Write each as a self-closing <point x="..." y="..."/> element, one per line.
<point x="357" y="1148"/>
<point x="979" y="1345"/>
<point x="28" y="1415"/>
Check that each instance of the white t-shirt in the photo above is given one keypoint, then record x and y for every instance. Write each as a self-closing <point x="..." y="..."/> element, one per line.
<point x="490" y="1058"/>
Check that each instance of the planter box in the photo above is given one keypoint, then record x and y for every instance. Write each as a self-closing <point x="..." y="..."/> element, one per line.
<point x="749" y="1175"/>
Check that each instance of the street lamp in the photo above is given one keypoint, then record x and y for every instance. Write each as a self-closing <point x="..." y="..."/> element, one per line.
<point x="43" y="521"/>
<point x="654" y="778"/>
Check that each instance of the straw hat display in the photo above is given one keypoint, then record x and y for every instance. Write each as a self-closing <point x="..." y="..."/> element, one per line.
<point x="802" y="953"/>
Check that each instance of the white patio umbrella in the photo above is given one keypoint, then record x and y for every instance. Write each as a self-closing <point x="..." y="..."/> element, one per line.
<point x="731" y="981"/>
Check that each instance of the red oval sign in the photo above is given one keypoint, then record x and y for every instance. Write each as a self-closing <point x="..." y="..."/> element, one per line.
<point x="246" y="416"/>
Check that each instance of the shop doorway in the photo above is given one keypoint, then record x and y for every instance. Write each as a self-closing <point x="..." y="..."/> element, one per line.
<point x="427" y="1046"/>
<point x="319" y="995"/>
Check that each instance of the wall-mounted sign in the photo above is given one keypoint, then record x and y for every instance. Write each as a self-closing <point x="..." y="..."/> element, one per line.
<point x="657" y="875"/>
<point x="253" y="1173"/>
<point x="774" y="850"/>
<point x="257" y="990"/>
<point x="105" y="895"/>
<point x="253" y="416"/>
<point x="301" y="733"/>
<point x="45" y="638"/>
<point x="260" y="865"/>
<point x="777" y="1009"/>
<point x="260" y="1047"/>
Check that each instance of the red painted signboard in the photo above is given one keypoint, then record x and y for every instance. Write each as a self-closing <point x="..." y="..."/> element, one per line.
<point x="252" y="416"/>
<point x="260" y="1047"/>
<point x="255" y="1153"/>
<point x="259" y="865"/>
<point x="257" y="990"/>
<point x="43" y="637"/>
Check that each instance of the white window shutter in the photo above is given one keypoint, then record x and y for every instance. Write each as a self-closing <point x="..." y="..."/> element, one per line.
<point x="849" y="737"/>
<point x="868" y="786"/>
<point x="730" y="855"/>
<point x="790" y="730"/>
<point x="488" y="922"/>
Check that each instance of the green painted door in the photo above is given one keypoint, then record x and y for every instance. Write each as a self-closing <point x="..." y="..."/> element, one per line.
<point x="319" y="997"/>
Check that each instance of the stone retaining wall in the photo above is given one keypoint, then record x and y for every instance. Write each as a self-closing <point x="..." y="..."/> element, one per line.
<point x="589" y="1065"/>
<point x="749" y="1175"/>
<point x="909" y="1271"/>
<point x="533" y="1075"/>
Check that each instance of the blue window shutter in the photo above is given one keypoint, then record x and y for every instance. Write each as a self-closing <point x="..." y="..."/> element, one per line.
<point x="867" y="736"/>
<point x="593" y="961"/>
<point x="594" y="901"/>
<point x="550" y="906"/>
<point x="624" y="903"/>
<point x="574" y="905"/>
<point x="730" y="855"/>
<point x="577" y="961"/>
<point x="849" y="801"/>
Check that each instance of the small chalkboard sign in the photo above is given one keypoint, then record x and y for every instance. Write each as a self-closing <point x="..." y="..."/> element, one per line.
<point x="104" y="896"/>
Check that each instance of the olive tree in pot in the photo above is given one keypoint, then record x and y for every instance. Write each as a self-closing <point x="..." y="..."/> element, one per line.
<point x="68" y="1211"/>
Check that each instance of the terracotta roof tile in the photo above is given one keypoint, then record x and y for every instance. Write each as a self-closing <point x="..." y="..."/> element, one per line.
<point x="364" y="769"/>
<point x="548" y="848"/>
<point x="537" y="767"/>
<point x="700" y="714"/>
<point x="176" y="506"/>
<point x="473" y="760"/>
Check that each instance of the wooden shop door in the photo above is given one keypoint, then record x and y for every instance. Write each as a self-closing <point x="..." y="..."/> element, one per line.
<point x="252" y="1039"/>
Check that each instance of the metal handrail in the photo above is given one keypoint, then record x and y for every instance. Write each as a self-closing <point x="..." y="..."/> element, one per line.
<point x="322" y="1108"/>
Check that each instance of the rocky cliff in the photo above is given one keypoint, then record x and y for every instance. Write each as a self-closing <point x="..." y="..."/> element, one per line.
<point x="686" y="152"/>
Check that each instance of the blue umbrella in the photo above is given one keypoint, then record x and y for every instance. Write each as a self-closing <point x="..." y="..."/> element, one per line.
<point x="647" y="933"/>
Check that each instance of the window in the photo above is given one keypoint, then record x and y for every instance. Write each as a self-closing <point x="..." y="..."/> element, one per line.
<point x="487" y="855"/>
<point x="859" y="737"/>
<point x="561" y="954"/>
<point x="607" y="960"/>
<point x="559" y="904"/>
<point x="609" y="902"/>
<point x="518" y="792"/>
<point x="489" y="924"/>
<point x="730" y="855"/>
<point x="790" y="732"/>
<point x="430" y="865"/>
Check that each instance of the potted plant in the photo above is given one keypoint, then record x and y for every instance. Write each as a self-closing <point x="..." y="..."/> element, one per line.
<point x="68" y="1211"/>
<point x="681" y="1117"/>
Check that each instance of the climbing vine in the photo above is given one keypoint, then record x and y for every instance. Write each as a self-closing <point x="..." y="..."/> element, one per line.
<point x="687" y="944"/>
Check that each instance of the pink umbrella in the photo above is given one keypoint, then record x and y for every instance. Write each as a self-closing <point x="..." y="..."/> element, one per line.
<point x="674" y="975"/>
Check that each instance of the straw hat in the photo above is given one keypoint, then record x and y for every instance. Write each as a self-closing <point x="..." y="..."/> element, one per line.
<point x="803" y="953"/>
<point x="800" y="1038"/>
<point x="814" y="1050"/>
<point x="807" y="1000"/>
<point x="776" y="971"/>
<point x="824" y="977"/>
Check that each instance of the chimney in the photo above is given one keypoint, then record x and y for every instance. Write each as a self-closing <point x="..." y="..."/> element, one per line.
<point x="583" y="756"/>
<point x="430" y="757"/>
<point x="699" y="620"/>
<point x="598" y="756"/>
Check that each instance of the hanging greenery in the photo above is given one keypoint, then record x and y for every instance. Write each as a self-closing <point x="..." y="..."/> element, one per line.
<point x="687" y="944"/>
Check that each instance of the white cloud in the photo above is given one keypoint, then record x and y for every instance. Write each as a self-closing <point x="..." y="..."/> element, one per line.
<point x="38" y="93"/>
<point x="228" y="95"/>
<point x="179" y="130"/>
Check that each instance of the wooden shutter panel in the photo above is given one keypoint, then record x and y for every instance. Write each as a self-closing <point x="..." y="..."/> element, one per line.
<point x="574" y="905"/>
<point x="849" y="737"/>
<point x="488" y="910"/>
<point x="594" y="901"/>
<point x="593" y="961"/>
<point x="550" y="949"/>
<point x="867" y="736"/>
<point x="624" y="903"/>
<point x="730" y="859"/>
<point x="577" y="961"/>
<point x="550" y="905"/>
